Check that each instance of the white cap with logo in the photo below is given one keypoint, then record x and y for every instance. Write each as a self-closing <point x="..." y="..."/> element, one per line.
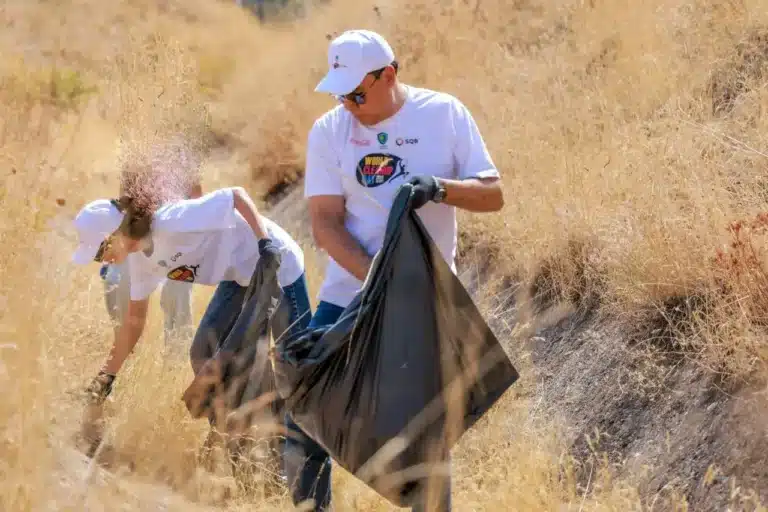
<point x="94" y="223"/>
<point x="351" y="56"/>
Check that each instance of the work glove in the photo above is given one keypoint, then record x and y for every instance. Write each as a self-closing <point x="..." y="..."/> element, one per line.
<point x="100" y="387"/>
<point x="267" y="246"/>
<point x="424" y="190"/>
<point x="269" y="252"/>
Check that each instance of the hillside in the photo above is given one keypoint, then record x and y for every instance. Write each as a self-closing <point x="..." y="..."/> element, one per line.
<point x="626" y="274"/>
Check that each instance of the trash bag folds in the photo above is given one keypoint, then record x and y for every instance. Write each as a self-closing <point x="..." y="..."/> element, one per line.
<point x="407" y="369"/>
<point x="239" y="377"/>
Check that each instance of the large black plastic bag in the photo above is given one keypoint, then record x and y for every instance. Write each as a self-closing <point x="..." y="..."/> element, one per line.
<point x="371" y="383"/>
<point x="239" y="377"/>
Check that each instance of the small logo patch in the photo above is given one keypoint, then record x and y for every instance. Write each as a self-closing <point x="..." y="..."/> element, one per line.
<point x="382" y="137"/>
<point x="186" y="273"/>
<point x="400" y="141"/>
<point x="360" y="142"/>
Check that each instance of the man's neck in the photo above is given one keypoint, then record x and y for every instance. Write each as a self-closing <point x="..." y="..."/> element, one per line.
<point x="399" y="96"/>
<point x="147" y="246"/>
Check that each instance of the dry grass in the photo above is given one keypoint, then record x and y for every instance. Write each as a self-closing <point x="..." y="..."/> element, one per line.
<point x="630" y="136"/>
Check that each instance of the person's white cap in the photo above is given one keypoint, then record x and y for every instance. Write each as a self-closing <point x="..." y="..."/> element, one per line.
<point x="94" y="223"/>
<point x="351" y="56"/>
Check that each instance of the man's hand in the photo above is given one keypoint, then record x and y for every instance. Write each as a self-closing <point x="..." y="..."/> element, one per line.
<point x="268" y="247"/>
<point x="92" y="427"/>
<point x="100" y="387"/>
<point x="424" y="190"/>
<point x="268" y="253"/>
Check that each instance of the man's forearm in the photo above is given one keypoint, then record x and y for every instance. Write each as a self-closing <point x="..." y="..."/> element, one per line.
<point x="344" y="249"/>
<point x="126" y="340"/>
<point x="247" y="209"/>
<point x="475" y="195"/>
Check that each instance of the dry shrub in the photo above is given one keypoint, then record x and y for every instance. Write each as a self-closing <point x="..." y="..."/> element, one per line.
<point x="741" y="72"/>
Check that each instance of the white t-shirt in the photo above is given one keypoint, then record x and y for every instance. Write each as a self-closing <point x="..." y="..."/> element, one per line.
<point x="433" y="133"/>
<point x="206" y="241"/>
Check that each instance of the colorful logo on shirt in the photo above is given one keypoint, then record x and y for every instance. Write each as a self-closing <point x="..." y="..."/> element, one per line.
<point x="360" y="142"/>
<point x="186" y="273"/>
<point x="379" y="168"/>
<point x="382" y="137"/>
<point x="400" y="141"/>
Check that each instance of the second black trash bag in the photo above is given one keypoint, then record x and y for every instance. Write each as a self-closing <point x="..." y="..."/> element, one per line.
<point x="407" y="369"/>
<point x="238" y="377"/>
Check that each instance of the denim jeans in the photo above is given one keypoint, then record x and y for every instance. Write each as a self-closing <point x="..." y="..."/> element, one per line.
<point x="309" y="465"/>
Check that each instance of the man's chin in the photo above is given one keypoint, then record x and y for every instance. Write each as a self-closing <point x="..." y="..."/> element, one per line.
<point x="364" y="119"/>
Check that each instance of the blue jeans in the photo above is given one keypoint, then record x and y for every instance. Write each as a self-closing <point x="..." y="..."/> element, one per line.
<point x="309" y="465"/>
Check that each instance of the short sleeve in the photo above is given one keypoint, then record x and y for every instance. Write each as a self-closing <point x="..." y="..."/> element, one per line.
<point x="322" y="170"/>
<point x="471" y="155"/>
<point x="143" y="280"/>
<point x="210" y="212"/>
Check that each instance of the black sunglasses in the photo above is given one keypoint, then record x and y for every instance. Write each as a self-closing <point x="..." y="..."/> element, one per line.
<point x="358" y="98"/>
<point x="102" y="248"/>
<point x="105" y="243"/>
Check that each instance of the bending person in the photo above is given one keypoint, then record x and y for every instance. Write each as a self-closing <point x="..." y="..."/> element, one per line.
<point x="216" y="239"/>
<point x="175" y="298"/>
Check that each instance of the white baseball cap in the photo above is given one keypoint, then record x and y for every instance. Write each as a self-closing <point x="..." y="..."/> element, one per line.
<point x="351" y="56"/>
<point x="94" y="223"/>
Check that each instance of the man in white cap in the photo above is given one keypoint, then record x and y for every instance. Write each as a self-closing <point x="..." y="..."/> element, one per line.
<point x="384" y="133"/>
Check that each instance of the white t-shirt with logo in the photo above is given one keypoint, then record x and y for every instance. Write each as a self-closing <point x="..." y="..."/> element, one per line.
<point x="206" y="241"/>
<point x="433" y="133"/>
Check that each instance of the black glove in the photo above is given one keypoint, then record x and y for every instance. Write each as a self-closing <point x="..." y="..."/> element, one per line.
<point x="266" y="246"/>
<point x="100" y="387"/>
<point x="424" y="190"/>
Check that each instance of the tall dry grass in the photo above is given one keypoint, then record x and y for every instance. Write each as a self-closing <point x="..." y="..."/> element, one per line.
<point x="620" y="177"/>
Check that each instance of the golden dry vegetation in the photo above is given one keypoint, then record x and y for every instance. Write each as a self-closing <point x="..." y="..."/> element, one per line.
<point x="630" y="136"/>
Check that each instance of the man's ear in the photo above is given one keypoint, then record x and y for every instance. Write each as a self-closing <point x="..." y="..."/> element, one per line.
<point x="389" y="75"/>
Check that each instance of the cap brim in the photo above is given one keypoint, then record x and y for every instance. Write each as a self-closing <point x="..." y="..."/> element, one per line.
<point x="84" y="254"/>
<point x="340" y="81"/>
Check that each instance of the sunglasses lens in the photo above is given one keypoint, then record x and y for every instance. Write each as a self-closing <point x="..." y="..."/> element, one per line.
<point x="356" y="98"/>
<point x="100" y="253"/>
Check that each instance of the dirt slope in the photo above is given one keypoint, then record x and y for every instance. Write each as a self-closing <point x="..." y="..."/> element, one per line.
<point x="661" y="417"/>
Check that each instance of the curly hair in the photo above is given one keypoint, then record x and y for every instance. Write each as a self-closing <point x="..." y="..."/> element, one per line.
<point x="153" y="173"/>
<point x="137" y="222"/>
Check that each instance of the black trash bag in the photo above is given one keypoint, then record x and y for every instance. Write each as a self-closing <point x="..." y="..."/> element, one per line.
<point x="368" y="388"/>
<point x="239" y="377"/>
